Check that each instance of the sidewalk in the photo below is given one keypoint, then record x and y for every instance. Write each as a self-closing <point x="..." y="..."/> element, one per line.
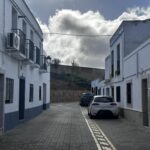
<point x="60" y="128"/>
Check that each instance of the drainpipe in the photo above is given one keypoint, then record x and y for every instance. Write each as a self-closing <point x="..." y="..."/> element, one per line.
<point x="3" y="49"/>
<point x="137" y="65"/>
<point x="3" y="43"/>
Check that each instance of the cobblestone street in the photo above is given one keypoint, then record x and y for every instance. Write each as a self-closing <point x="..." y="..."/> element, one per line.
<point x="68" y="127"/>
<point x="61" y="128"/>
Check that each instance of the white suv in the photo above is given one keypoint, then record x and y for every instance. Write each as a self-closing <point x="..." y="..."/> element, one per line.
<point x="103" y="105"/>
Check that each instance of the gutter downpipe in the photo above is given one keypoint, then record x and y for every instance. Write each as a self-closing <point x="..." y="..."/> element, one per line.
<point x="3" y="61"/>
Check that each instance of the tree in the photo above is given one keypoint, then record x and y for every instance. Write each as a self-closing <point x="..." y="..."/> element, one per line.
<point x="56" y="62"/>
<point x="74" y="63"/>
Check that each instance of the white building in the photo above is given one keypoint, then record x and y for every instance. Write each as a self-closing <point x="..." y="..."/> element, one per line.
<point x="24" y="71"/>
<point x="127" y="70"/>
<point x="136" y="84"/>
<point x="94" y="86"/>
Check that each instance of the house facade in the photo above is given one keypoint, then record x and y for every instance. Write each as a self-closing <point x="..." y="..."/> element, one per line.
<point x="24" y="67"/>
<point x="127" y="70"/>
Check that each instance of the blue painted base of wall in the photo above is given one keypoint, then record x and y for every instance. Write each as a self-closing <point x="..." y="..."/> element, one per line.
<point x="12" y="119"/>
<point x="46" y="106"/>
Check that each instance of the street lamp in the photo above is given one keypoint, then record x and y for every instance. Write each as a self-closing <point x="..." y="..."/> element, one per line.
<point x="48" y="59"/>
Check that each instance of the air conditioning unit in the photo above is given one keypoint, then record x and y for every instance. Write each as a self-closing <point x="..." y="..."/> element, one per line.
<point x="13" y="41"/>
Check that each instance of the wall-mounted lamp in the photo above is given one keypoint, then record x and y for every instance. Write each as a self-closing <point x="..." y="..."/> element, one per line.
<point x="48" y="59"/>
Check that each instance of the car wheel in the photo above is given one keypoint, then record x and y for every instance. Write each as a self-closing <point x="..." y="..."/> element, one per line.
<point x="91" y="116"/>
<point x="116" y="117"/>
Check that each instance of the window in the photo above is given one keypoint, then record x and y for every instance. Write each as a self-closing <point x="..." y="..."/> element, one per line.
<point x="95" y="90"/>
<point x="31" y="93"/>
<point x="118" y="60"/>
<point x="40" y="45"/>
<point x="103" y="99"/>
<point x="103" y="91"/>
<point x="14" y="18"/>
<point x="31" y="36"/>
<point x="129" y="93"/>
<point x="40" y="93"/>
<point x="9" y="91"/>
<point x="112" y="63"/>
<point x="118" y="94"/>
<point x="44" y="92"/>
<point x="24" y="27"/>
<point x="107" y="92"/>
<point x="99" y="91"/>
<point x="112" y="91"/>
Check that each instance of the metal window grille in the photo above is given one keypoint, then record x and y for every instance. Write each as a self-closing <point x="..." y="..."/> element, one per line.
<point x="9" y="90"/>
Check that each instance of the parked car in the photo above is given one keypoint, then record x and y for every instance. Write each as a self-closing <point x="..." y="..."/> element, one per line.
<point x="103" y="106"/>
<point x="86" y="99"/>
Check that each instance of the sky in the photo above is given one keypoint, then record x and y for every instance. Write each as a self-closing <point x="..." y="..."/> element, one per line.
<point x="84" y="17"/>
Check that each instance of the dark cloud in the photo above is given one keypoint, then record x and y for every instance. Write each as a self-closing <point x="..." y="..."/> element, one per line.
<point x="109" y="8"/>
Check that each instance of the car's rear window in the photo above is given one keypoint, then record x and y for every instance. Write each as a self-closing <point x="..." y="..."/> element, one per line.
<point x="87" y="95"/>
<point x="103" y="99"/>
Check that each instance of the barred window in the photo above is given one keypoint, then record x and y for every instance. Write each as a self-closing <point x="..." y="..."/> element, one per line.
<point x="31" y="93"/>
<point x="9" y="90"/>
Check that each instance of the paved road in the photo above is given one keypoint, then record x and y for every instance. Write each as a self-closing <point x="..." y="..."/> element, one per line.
<point x="67" y="127"/>
<point x="125" y="135"/>
<point x="63" y="127"/>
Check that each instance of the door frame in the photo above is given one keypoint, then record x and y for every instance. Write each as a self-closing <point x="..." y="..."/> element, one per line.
<point x="22" y="78"/>
<point x="44" y="95"/>
<point x="145" y="101"/>
<point x="3" y="103"/>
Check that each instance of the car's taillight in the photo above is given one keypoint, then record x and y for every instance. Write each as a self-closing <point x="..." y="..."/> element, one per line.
<point x="113" y="104"/>
<point x="95" y="104"/>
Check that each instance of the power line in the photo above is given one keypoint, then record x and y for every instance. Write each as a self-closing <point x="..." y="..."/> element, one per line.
<point x="81" y="35"/>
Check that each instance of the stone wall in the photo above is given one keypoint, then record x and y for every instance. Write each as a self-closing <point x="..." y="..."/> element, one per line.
<point x="66" y="95"/>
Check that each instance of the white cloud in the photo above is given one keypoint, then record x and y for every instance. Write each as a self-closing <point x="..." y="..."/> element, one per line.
<point x="86" y="51"/>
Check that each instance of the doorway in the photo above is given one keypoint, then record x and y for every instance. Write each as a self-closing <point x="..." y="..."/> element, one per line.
<point x="21" y="98"/>
<point x="145" y="102"/>
<point x="44" y="96"/>
<point x="1" y="99"/>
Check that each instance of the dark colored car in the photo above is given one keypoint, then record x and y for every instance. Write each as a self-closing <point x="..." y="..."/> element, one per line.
<point x="86" y="99"/>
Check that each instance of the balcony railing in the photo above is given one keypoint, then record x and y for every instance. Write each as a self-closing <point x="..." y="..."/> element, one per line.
<point x="112" y="70"/>
<point x="43" y="63"/>
<point x="30" y="47"/>
<point x="37" y="61"/>
<point x="118" y="67"/>
<point x="22" y="36"/>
